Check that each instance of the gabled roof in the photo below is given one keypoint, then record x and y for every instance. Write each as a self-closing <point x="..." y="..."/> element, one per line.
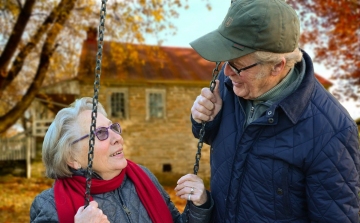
<point x="160" y="64"/>
<point x="153" y="64"/>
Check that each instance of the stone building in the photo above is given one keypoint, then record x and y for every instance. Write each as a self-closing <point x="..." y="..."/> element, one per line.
<point x="150" y="97"/>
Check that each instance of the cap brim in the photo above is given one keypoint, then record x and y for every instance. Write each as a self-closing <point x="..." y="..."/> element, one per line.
<point x="214" y="47"/>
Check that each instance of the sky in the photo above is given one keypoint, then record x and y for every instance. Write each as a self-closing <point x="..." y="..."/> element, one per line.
<point x="197" y="21"/>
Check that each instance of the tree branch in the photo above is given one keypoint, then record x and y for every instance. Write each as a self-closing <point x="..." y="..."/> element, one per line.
<point x="15" y="37"/>
<point x="24" y="52"/>
<point x="47" y="51"/>
<point x="19" y="3"/>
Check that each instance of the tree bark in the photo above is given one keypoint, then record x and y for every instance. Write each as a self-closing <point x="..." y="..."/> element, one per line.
<point x="64" y="9"/>
<point x="24" y="52"/>
<point x="15" y="37"/>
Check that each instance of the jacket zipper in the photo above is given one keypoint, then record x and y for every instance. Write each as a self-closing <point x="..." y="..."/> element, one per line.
<point x="126" y="209"/>
<point x="252" y="111"/>
<point x="238" y="99"/>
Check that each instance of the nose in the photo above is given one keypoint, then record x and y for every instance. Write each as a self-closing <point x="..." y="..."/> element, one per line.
<point x="115" y="137"/>
<point x="228" y="71"/>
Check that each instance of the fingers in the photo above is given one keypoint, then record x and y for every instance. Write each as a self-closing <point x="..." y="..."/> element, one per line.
<point x="191" y="187"/>
<point x="207" y="104"/>
<point x="93" y="204"/>
<point x="199" y="113"/>
<point x="185" y="183"/>
<point x="90" y="214"/>
<point x="189" y="177"/>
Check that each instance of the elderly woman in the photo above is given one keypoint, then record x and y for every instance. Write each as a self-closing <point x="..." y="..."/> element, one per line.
<point x="121" y="191"/>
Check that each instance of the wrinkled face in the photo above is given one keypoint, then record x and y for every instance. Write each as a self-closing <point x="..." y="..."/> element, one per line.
<point x="251" y="83"/>
<point x="109" y="157"/>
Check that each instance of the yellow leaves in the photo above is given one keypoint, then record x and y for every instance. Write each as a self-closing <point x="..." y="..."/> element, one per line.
<point x="158" y="14"/>
<point x="133" y="55"/>
<point x="142" y="2"/>
<point x="17" y="194"/>
<point x="156" y="2"/>
<point x="11" y="6"/>
<point x="138" y="18"/>
<point x="139" y="36"/>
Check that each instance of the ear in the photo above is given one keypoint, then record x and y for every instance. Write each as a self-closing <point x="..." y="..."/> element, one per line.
<point x="278" y="68"/>
<point x="74" y="164"/>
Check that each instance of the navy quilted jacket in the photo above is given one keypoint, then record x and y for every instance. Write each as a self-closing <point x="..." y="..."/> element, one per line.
<point x="299" y="162"/>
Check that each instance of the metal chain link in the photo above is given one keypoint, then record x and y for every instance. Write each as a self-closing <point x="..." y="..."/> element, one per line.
<point x="202" y="130"/>
<point x="101" y="30"/>
<point x="215" y="74"/>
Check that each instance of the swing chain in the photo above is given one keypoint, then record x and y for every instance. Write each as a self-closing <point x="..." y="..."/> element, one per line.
<point x="202" y="130"/>
<point x="215" y="74"/>
<point x="89" y="172"/>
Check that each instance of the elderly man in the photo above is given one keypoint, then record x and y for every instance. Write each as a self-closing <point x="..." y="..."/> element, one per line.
<point x="282" y="148"/>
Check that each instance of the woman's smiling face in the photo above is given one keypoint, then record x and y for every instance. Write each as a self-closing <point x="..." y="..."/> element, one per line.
<point x="109" y="157"/>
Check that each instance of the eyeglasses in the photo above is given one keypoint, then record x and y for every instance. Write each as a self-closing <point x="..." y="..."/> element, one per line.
<point x="237" y="71"/>
<point x="102" y="133"/>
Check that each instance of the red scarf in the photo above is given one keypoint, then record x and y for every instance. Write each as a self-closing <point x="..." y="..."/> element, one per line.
<point x="69" y="194"/>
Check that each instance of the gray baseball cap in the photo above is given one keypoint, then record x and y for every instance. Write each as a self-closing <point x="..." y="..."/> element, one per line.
<point x="251" y="25"/>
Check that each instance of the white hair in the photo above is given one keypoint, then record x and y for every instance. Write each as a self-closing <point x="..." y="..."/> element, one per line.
<point x="57" y="146"/>
<point x="274" y="58"/>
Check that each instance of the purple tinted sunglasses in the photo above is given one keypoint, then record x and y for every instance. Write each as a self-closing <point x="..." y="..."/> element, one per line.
<point x="102" y="133"/>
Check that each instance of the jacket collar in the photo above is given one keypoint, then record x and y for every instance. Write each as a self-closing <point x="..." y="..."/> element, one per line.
<point x="302" y="94"/>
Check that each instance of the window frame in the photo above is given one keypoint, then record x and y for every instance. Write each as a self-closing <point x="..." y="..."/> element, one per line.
<point x="111" y="91"/>
<point x="162" y="92"/>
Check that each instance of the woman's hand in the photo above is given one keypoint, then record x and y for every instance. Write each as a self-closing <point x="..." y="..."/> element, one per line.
<point x="91" y="214"/>
<point x="191" y="187"/>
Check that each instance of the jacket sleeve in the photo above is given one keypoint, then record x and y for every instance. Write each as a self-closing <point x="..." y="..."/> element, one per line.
<point x="333" y="179"/>
<point x="43" y="208"/>
<point x="195" y="214"/>
<point x="210" y="129"/>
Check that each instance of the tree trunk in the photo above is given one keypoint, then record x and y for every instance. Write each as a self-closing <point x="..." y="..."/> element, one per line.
<point x="47" y="51"/>
<point x="24" y="52"/>
<point x="15" y="37"/>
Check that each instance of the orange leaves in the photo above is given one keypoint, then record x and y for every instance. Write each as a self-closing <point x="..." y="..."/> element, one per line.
<point x="18" y="193"/>
<point x="332" y="27"/>
<point x="179" y="203"/>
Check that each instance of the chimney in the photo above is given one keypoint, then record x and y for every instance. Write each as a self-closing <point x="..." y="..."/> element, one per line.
<point x="91" y="35"/>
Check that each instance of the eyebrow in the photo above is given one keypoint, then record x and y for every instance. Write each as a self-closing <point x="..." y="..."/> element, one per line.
<point x="237" y="63"/>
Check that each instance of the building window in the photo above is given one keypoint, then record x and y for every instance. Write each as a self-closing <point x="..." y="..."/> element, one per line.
<point x="117" y="101"/>
<point x="167" y="167"/>
<point x="155" y="103"/>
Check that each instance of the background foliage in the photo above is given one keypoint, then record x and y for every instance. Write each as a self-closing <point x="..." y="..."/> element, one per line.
<point x="332" y="29"/>
<point x="40" y="41"/>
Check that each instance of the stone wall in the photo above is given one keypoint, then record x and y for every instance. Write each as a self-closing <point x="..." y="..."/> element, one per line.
<point x="165" y="146"/>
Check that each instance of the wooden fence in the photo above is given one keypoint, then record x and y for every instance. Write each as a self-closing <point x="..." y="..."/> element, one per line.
<point x="19" y="147"/>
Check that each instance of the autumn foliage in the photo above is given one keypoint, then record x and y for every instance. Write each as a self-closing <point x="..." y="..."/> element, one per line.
<point x="332" y="29"/>
<point x="40" y="40"/>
